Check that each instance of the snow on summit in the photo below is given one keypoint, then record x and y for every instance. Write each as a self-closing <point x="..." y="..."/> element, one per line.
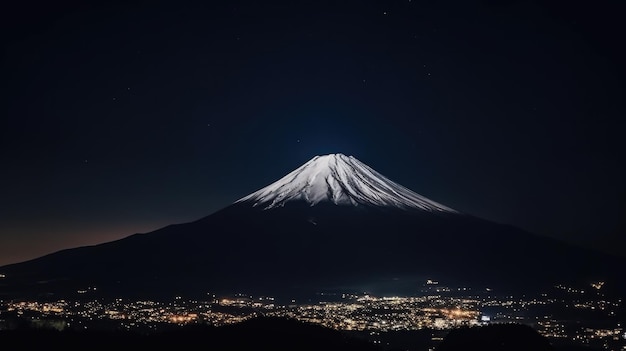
<point x="342" y="180"/>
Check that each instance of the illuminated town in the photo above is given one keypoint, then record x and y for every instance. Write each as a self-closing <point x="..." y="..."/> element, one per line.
<point x="438" y="309"/>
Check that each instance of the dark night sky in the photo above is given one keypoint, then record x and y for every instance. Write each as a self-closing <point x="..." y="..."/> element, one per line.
<point x="123" y="118"/>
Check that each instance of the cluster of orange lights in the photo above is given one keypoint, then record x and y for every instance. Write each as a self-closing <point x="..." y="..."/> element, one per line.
<point x="183" y="318"/>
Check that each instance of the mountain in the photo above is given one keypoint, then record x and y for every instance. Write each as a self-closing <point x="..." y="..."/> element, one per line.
<point x="332" y="224"/>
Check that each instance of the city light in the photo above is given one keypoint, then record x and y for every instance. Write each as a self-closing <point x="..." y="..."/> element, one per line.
<point x="437" y="311"/>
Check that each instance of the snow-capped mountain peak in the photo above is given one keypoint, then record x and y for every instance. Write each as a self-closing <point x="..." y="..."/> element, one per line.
<point x="342" y="180"/>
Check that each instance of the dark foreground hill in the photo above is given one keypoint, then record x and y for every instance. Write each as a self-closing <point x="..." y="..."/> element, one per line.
<point x="256" y="334"/>
<point x="497" y="337"/>
<point x="265" y="333"/>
